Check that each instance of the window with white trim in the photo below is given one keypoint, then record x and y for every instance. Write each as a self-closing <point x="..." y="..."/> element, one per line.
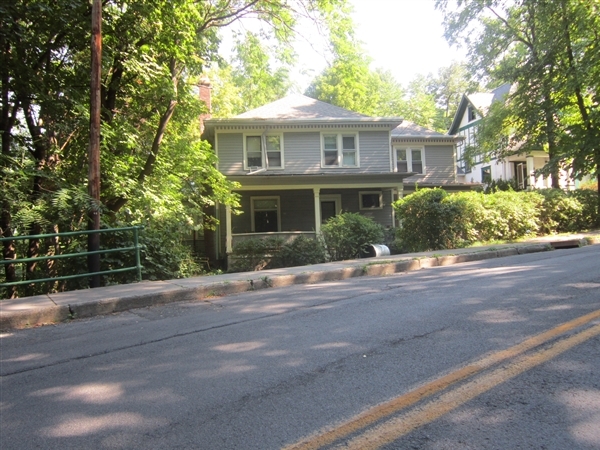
<point x="339" y="150"/>
<point x="263" y="151"/>
<point x="410" y="159"/>
<point x="371" y="200"/>
<point x="265" y="214"/>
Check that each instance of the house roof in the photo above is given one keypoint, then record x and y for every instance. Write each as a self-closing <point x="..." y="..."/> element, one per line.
<point x="298" y="106"/>
<point x="410" y="130"/>
<point x="481" y="101"/>
<point x="299" y="110"/>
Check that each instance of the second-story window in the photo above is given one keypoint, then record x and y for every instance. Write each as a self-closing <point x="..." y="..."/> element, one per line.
<point x="471" y="114"/>
<point x="263" y="151"/>
<point x="339" y="150"/>
<point x="410" y="159"/>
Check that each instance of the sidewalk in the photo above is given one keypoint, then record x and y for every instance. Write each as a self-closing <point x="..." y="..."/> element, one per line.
<point x="52" y="308"/>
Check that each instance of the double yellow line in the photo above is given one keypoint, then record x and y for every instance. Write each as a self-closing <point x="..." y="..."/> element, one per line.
<point x="399" y="426"/>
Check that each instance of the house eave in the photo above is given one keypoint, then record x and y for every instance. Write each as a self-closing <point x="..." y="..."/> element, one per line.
<point x="450" y="139"/>
<point x="253" y="123"/>
<point x="322" y="180"/>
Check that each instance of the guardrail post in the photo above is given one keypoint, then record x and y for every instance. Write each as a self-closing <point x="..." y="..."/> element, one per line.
<point x="136" y="241"/>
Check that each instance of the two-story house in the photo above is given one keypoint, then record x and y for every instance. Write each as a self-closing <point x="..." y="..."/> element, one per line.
<point x="521" y="167"/>
<point x="299" y="161"/>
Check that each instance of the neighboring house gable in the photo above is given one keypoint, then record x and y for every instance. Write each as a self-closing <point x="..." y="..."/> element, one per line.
<point x="471" y="111"/>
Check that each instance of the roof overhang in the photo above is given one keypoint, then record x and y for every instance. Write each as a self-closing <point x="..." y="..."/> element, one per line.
<point x="322" y="180"/>
<point x="445" y="139"/>
<point x="381" y="123"/>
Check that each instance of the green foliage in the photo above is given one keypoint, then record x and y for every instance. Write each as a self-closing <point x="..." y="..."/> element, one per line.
<point x="569" y="211"/>
<point x="512" y="215"/>
<point x="347" y="235"/>
<point x="270" y="253"/>
<point x="302" y="251"/>
<point x="432" y="219"/>
<point x="156" y="170"/>
<point x="254" y="254"/>
<point x="501" y="185"/>
<point x="550" y="53"/>
<point x="560" y="212"/>
<point x="427" y="221"/>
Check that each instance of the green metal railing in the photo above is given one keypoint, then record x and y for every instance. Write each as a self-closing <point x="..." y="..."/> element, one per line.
<point x="136" y="247"/>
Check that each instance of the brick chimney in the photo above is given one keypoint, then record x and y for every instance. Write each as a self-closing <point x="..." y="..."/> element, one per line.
<point x="204" y="89"/>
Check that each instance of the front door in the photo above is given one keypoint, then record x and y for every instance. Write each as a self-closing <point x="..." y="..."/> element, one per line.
<point x="327" y="210"/>
<point x="331" y="205"/>
<point x="521" y="175"/>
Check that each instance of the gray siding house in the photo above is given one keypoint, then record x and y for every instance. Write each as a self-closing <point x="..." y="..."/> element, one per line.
<point x="300" y="161"/>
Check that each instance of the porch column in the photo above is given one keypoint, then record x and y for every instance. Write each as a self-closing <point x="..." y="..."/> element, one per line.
<point x="229" y="239"/>
<point x="397" y="194"/>
<point x="316" y="193"/>
<point x="530" y="172"/>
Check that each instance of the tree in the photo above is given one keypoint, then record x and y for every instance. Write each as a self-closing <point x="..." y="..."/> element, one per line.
<point x="550" y="52"/>
<point x="258" y="74"/>
<point x="154" y="166"/>
<point x="448" y="87"/>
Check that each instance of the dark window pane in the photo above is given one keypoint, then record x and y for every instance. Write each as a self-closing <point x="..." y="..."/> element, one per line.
<point x="274" y="159"/>
<point x="331" y="158"/>
<point x="348" y="143"/>
<point x="370" y="201"/>
<point x="265" y="221"/>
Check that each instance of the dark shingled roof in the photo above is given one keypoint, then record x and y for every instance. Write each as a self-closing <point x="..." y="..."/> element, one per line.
<point x="410" y="129"/>
<point x="297" y="106"/>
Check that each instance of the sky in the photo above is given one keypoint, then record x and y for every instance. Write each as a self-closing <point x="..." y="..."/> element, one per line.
<point x="402" y="36"/>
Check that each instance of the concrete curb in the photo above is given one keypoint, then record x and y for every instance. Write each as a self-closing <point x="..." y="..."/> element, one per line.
<point x="53" y="308"/>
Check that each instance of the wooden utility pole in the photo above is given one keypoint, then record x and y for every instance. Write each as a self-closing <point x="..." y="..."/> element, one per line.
<point x="94" y="150"/>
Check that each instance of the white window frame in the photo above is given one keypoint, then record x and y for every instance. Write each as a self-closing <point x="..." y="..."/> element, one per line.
<point x="262" y="156"/>
<point x="340" y="150"/>
<point x="370" y="208"/>
<point x="252" y="210"/>
<point x="409" y="149"/>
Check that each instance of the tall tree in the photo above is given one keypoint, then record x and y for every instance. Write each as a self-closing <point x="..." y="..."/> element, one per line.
<point x="448" y="87"/>
<point x="153" y="164"/>
<point x="257" y="74"/>
<point x="550" y="52"/>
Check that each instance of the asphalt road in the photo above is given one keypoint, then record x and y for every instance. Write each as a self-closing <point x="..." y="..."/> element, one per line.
<point x="496" y="354"/>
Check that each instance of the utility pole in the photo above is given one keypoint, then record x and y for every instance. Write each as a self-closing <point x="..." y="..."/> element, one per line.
<point x="94" y="150"/>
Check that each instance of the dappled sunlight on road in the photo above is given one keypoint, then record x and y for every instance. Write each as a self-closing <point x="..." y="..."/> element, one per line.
<point x="331" y="345"/>
<point x="28" y="357"/>
<point x="583" y="410"/>
<point x="498" y="316"/>
<point x="239" y="347"/>
<point x="71" y="425"/>
<point x="91" y="393"/>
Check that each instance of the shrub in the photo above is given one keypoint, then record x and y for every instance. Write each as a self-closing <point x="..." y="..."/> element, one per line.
<point x="432" y="219"/>
<point x="301" y="251"/>
<point x="512" y="215"/>
<point x="271" y="253"/>
<point x="589" y="216"/>
<point x="428" y="222"/>
<point x="347" y="235"/>
<point x="559" y="212"/>
<point x="254" y="254"/>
